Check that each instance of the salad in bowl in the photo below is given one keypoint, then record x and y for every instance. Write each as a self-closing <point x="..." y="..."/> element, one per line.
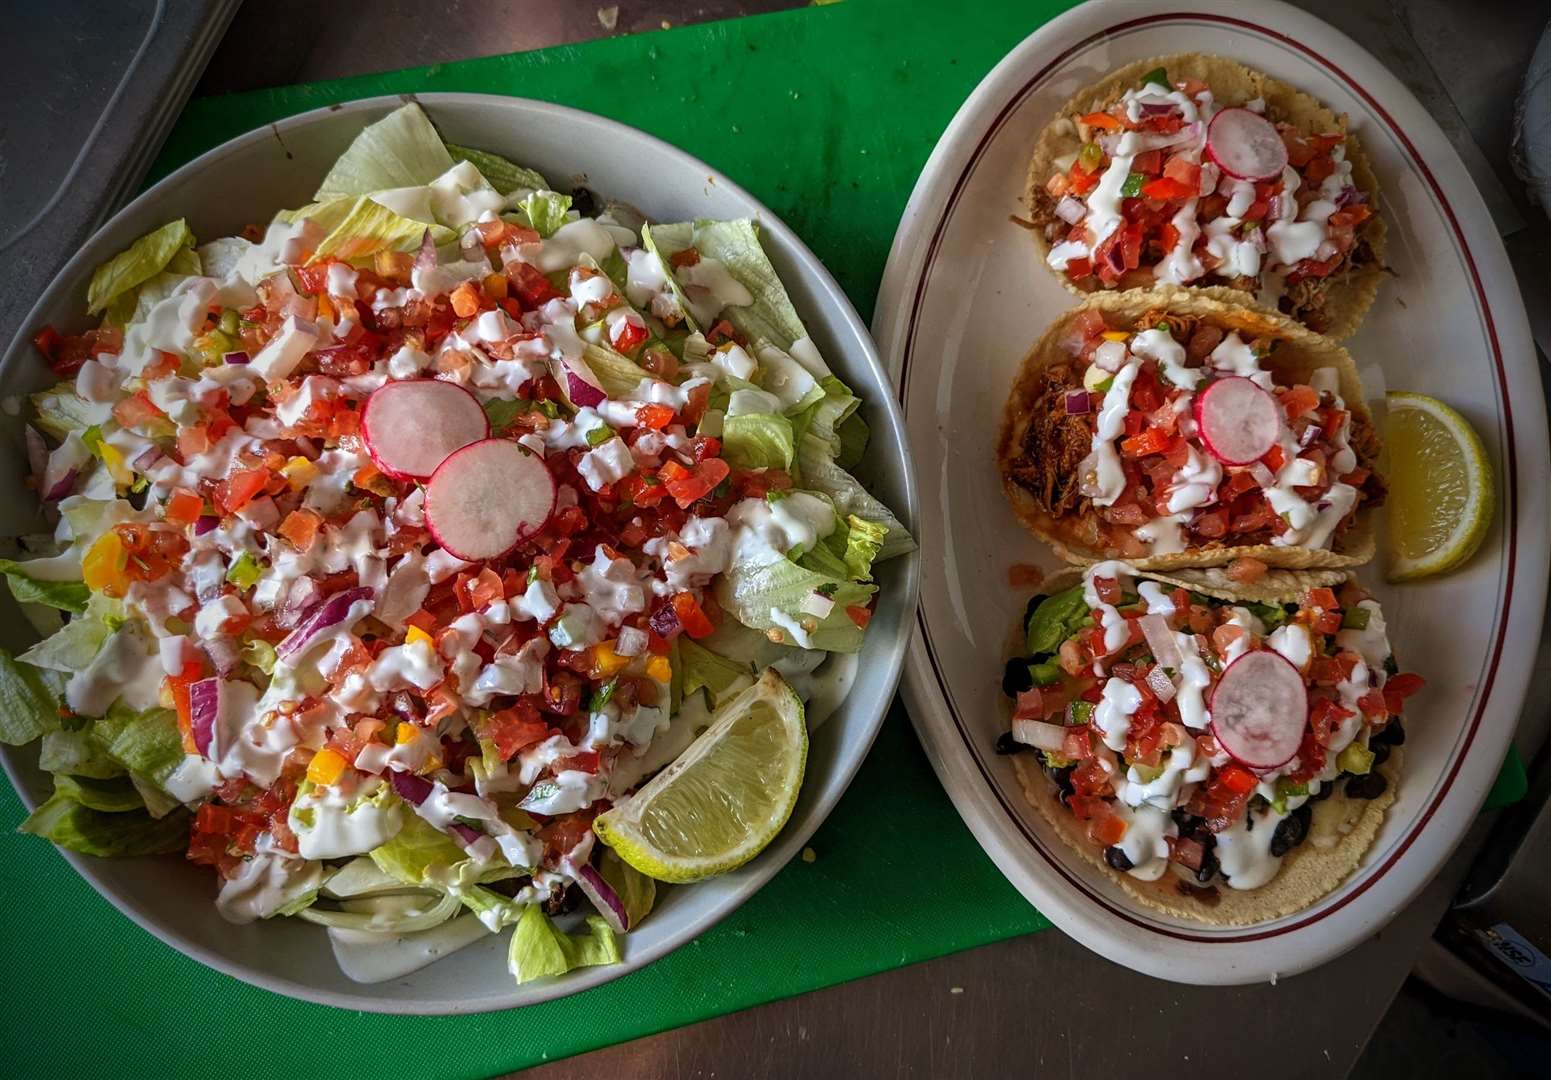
<point x="449" y="555"/>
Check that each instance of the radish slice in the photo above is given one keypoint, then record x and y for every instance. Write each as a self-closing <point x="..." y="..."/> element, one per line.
<point x="411" y="427"/>
<point x="1246" y="145"/>
<point x="1238" y="421"/>
<point x="486" y="498"/>
<point x="1259" y="710"/>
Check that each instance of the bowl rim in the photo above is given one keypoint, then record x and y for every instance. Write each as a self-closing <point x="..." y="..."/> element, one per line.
<point x="904" y="597"/>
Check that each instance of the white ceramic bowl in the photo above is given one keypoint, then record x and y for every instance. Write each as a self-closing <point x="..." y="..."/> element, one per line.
<point x="247" y="180"/>
<point x="962" y="300"/>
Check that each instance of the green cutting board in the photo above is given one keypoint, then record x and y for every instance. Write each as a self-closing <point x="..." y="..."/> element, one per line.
<point x="827" y="115"/>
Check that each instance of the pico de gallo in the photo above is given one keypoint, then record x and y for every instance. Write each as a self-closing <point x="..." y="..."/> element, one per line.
<point x="399" y="538"/>
<point x="1192" y="736"/>
<point x="1170" y="186"/>
<point x="1179" y="434"/>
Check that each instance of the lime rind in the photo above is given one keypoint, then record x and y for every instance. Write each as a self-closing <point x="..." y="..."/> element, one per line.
<point x="1474" y="517"/>
<point x="725" y="798"/>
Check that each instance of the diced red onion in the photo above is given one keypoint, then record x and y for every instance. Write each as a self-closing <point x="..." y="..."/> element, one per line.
<point x="236" y="356"/>
<point x="204" y="704"/>
<point x="467" y="833"/>
<point x="329" y="613"/>
<point x="817" y="604"/>
<point x="1350" y="196"/>
<point x="1274" y="208"/>
<point x="147" y="458"/>
<point x="205" y="523"/>
<point x="224" y="653"/>
<point x="1263" y="475"/>
<point x="37" y="454"/>
<point x="1038" y="734"/>
<point x="603" y="897"/>
<point x="1142" y="142"/>
<point x="1157" y="108"/>
<point x="1116" y="258"/>
<point x="1310" y="434"/>
<point x="581" y="385"/>
<point x="409" y="787"/>
<point x="632" y="642"/>
<point x="1070" y="210"/>
<point x="1078" y="403"/>
<point x="1160" y="639"/>
<point x="664" y="622"/>
<point x="425" y="258"/>
<point x="1257" y="239"/>
<point x="1161" y="685"/>
<point x="300" y="598"/>
<point x="64" y="486"/>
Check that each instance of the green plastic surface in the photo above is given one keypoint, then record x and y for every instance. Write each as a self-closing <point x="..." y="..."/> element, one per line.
<point x="827" y="115"/>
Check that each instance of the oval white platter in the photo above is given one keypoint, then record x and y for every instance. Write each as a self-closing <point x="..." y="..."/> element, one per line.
<point x="963" y="298"/>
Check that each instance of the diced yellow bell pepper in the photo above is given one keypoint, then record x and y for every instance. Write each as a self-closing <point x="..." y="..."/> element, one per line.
<point x="118" y="468"/>
<point x="414" y="634"/>
<point x="1115" y="335"/>
<point x="298" y="473"/>
<point x="327" y="767"/>
<point x="606" y="663"/>
<point x="659" y="670"/>
<point x="406" y="733"/>
<point x="102" y="568"/>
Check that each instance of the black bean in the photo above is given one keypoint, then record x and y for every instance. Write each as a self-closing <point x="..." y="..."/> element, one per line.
<point x="1326" y="789"/>
<point x="1368" y="786"/>
<point x="1391" y="733"/>
<point x="1062" y="778"/>
<point x="1291" y="830"/>
<point x="1006" y="744"/>
<point x="1016" y="677"/>
<point x="1209" y="866"/>
<point x="1381" y="752"/>
<point x="1118" y="859"/>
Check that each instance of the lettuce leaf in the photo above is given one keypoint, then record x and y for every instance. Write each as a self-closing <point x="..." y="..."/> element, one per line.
<point x="635" y="889"/>
<point x="758" y="441"/>
<point x="616" y="372"/>
<point x="703" y="668"/>
<point x="735" y="244"/>
<point x="147" y="743"/>
<point x="545" y="210"/>
<point x="864" y="539"/>
<point x="77" y="754"/>
<point x="770" y="596"/>
<point x="116" y="795"/>
<point x="853" y="434"/>
<point x="369" y="227"/>
<point x="69" y="823"/>
<point x="505" y="176"/>
<point x="138" y="263"/>
<point x="65" y="595"/>
<point x="539" y="950"/>
<point x="400" y="150"/>
<point x="29" y="705"/>
<point x="417" y="848"/>
<point x="74" y="647"/>
<point x="59" y="410"/>
<point x="663" y="242"/>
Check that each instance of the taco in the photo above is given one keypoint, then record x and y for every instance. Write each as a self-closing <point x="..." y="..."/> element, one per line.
<point x="1196" y="170"/>
<point x="1225" y="761"/>
<point x="1174" y="429"/>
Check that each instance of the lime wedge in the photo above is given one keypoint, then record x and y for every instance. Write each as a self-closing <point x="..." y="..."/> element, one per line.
<point x="1441" y="488"/>
<point x="727" y="795"/>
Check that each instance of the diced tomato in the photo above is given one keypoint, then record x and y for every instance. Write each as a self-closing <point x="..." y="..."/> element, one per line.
<point x="514" y="729"/>
<point x="1185" y="851"/>
<point x="1184" y="171"/>
<point x="1399" y="687"/>
<point x="698" y="484"/>
<point x="1168" y="236"/>
<point x="695" y="406"/>
<point x="1246" y="571"/>
<point x="1237" y="779"/>
<point x="137" y="410"/>
<point x="628" y="335"/>
<point x="1148" y="162"/>
<point x="1090" y="778"/>
<point x="861" y="616"/>
<point x="1298" y="400"/>
<point x="691" y="616"/>
<point x="183" y="507"/>
<point x="1077" y="744"/>
<point x="1274" y="459"/>
<point x="530" y="286"/>
<point x="654" y="415"/>
<point x="1101" y="120"/>
<point x="1151" y="441"/>
<point x="241" y="488"/>
<point x="1325" y="718"/>
<point x="1373" y="706"/>
<point x="1077" y="269"/>
<point x="1166" y="188"/>
<point x="1030" y="704"/>
<point x="1210" y="524"/>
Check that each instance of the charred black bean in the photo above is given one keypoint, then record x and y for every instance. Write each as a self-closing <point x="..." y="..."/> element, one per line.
<point x="1209" y="866"/>
<point x="1006" y="744"/>
<point x="1291" y="830"/>
<point x="1368" y="786"/>
<point x="1391" y="734"/>
<point x="1381" y="752"/>
<point x="1118" y="859"/>
<point x="1016" y="677"/>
